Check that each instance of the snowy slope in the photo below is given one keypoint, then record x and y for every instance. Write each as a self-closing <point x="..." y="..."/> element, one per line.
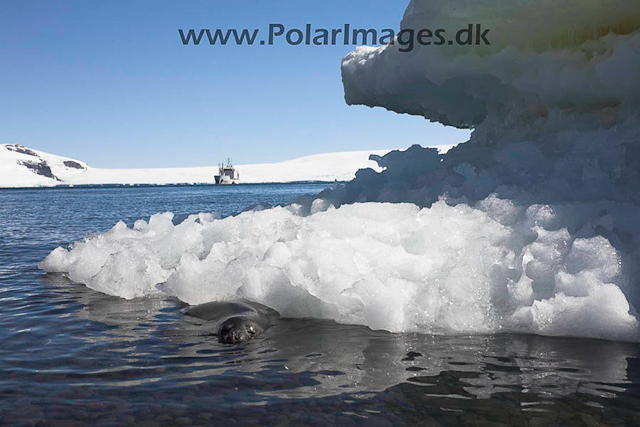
<point x="23" y="167"/>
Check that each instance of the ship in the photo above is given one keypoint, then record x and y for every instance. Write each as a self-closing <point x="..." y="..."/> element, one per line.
<point x="227" y="174"/>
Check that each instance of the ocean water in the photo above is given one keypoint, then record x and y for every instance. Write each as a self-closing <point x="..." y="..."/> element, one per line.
<point x="73" y="356"/>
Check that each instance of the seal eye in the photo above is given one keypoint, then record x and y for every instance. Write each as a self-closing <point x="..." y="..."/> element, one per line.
<point x="251" y="331"/>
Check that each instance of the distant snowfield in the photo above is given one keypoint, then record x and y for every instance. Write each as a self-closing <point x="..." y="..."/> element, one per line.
<point x="24" y="167"/>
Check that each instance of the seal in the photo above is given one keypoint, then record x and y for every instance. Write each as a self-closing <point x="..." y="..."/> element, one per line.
<point x="233" y="321"/>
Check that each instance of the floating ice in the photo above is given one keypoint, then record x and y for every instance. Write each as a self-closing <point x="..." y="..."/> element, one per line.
<point x="444" y="269"/>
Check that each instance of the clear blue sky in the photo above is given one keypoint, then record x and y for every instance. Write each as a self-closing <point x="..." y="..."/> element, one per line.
<point x="110" y="83"/>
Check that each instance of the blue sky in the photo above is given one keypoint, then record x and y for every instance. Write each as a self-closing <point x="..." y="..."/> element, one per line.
<point x="110" y="83"/>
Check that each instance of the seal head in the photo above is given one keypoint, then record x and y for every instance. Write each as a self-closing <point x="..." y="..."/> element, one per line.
<point x="239" y="329"/>
<point x="233" y="321"/>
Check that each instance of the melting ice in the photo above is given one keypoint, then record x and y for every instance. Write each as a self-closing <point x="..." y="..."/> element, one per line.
<point x="531" y="226"/>
<point x="441" y="269"/>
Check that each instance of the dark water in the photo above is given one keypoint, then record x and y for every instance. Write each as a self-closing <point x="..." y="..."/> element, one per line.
<point x="72" y="356"/>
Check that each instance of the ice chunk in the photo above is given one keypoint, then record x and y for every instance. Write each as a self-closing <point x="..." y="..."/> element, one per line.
<point x="442" y="269"/>
<point x="578" y="54"/>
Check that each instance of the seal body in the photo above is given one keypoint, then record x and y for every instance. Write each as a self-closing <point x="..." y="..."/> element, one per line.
<point x="232" y="321"/>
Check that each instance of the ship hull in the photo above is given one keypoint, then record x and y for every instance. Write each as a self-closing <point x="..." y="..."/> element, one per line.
<point x="225" y="180"/>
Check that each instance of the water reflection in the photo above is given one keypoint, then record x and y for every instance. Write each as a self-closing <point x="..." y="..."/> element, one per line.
<point x="345" y="358"/>
<point x="71" y="355"/>
<point x="145" y="352"/>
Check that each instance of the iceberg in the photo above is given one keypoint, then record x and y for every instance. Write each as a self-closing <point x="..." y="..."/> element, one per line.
<point x="530" y="226"/>
<point x="545" y="57"/>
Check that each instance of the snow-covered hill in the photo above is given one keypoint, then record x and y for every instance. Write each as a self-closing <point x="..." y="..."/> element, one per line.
<point x="24" y="167"/>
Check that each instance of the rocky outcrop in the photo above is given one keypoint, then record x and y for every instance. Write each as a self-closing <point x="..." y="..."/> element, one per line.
<point x="40" y="168"/>
<point x="73" y="165"/>
<point x="21" y="149"/>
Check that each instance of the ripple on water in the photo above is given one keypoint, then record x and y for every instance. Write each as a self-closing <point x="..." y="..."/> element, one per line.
<point x="70" y="354"/>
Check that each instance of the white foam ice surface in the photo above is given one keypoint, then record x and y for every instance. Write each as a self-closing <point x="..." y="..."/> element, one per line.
<point x="531" y="226"/>
<point x="443" y="269"/>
